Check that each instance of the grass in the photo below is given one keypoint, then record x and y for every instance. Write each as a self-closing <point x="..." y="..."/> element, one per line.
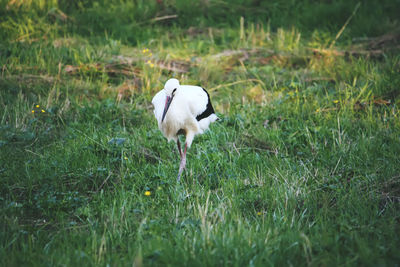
<point x="302" y="169"/>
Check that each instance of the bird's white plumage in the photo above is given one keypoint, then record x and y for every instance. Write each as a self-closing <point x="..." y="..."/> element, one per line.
<point x="188" y="102"/>
<point x="158" y="103"/>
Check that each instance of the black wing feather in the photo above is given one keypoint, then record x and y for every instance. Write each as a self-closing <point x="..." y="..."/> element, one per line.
<point x="208" y="111"/>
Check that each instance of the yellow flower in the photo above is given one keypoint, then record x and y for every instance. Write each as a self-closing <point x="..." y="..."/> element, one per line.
<point x="37" y="106"/>
<point x="335" y="101"/>
<point x="259" y="213"/>
<point x="318" y="110"/>
<point x="147" y="193"/>
<point x="125" y="158"/>
<point x="43" y="111"/>
<point x="151" y="64"/>
<point x="33" y="111"/>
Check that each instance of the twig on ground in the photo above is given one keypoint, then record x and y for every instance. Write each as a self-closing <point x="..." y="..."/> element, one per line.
<point x="102" y="184"/>
<point x="164" y="18"/>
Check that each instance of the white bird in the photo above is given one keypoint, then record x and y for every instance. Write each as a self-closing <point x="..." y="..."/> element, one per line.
<point x="182" y="109"/>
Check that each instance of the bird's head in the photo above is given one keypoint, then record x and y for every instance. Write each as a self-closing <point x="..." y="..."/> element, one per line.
<point x="170" y="88"/>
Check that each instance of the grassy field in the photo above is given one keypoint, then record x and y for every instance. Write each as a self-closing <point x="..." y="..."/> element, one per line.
<point x="302" y="169"/>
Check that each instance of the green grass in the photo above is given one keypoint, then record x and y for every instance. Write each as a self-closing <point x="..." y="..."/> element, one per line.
<point x="302" y="168"/>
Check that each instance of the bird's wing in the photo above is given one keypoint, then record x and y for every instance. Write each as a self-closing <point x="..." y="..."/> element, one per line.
<point x="159" y="103"/>
<point x="196" y="98"/>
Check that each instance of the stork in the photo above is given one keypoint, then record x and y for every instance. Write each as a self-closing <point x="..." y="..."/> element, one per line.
<point x="182" y="110"/>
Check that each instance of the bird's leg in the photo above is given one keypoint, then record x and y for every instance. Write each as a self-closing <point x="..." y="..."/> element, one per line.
<point x="179" y="147"/>
<point x="183" y="163"/>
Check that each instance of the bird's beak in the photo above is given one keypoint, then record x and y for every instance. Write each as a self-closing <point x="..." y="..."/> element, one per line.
<point x="167" y="104"/>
